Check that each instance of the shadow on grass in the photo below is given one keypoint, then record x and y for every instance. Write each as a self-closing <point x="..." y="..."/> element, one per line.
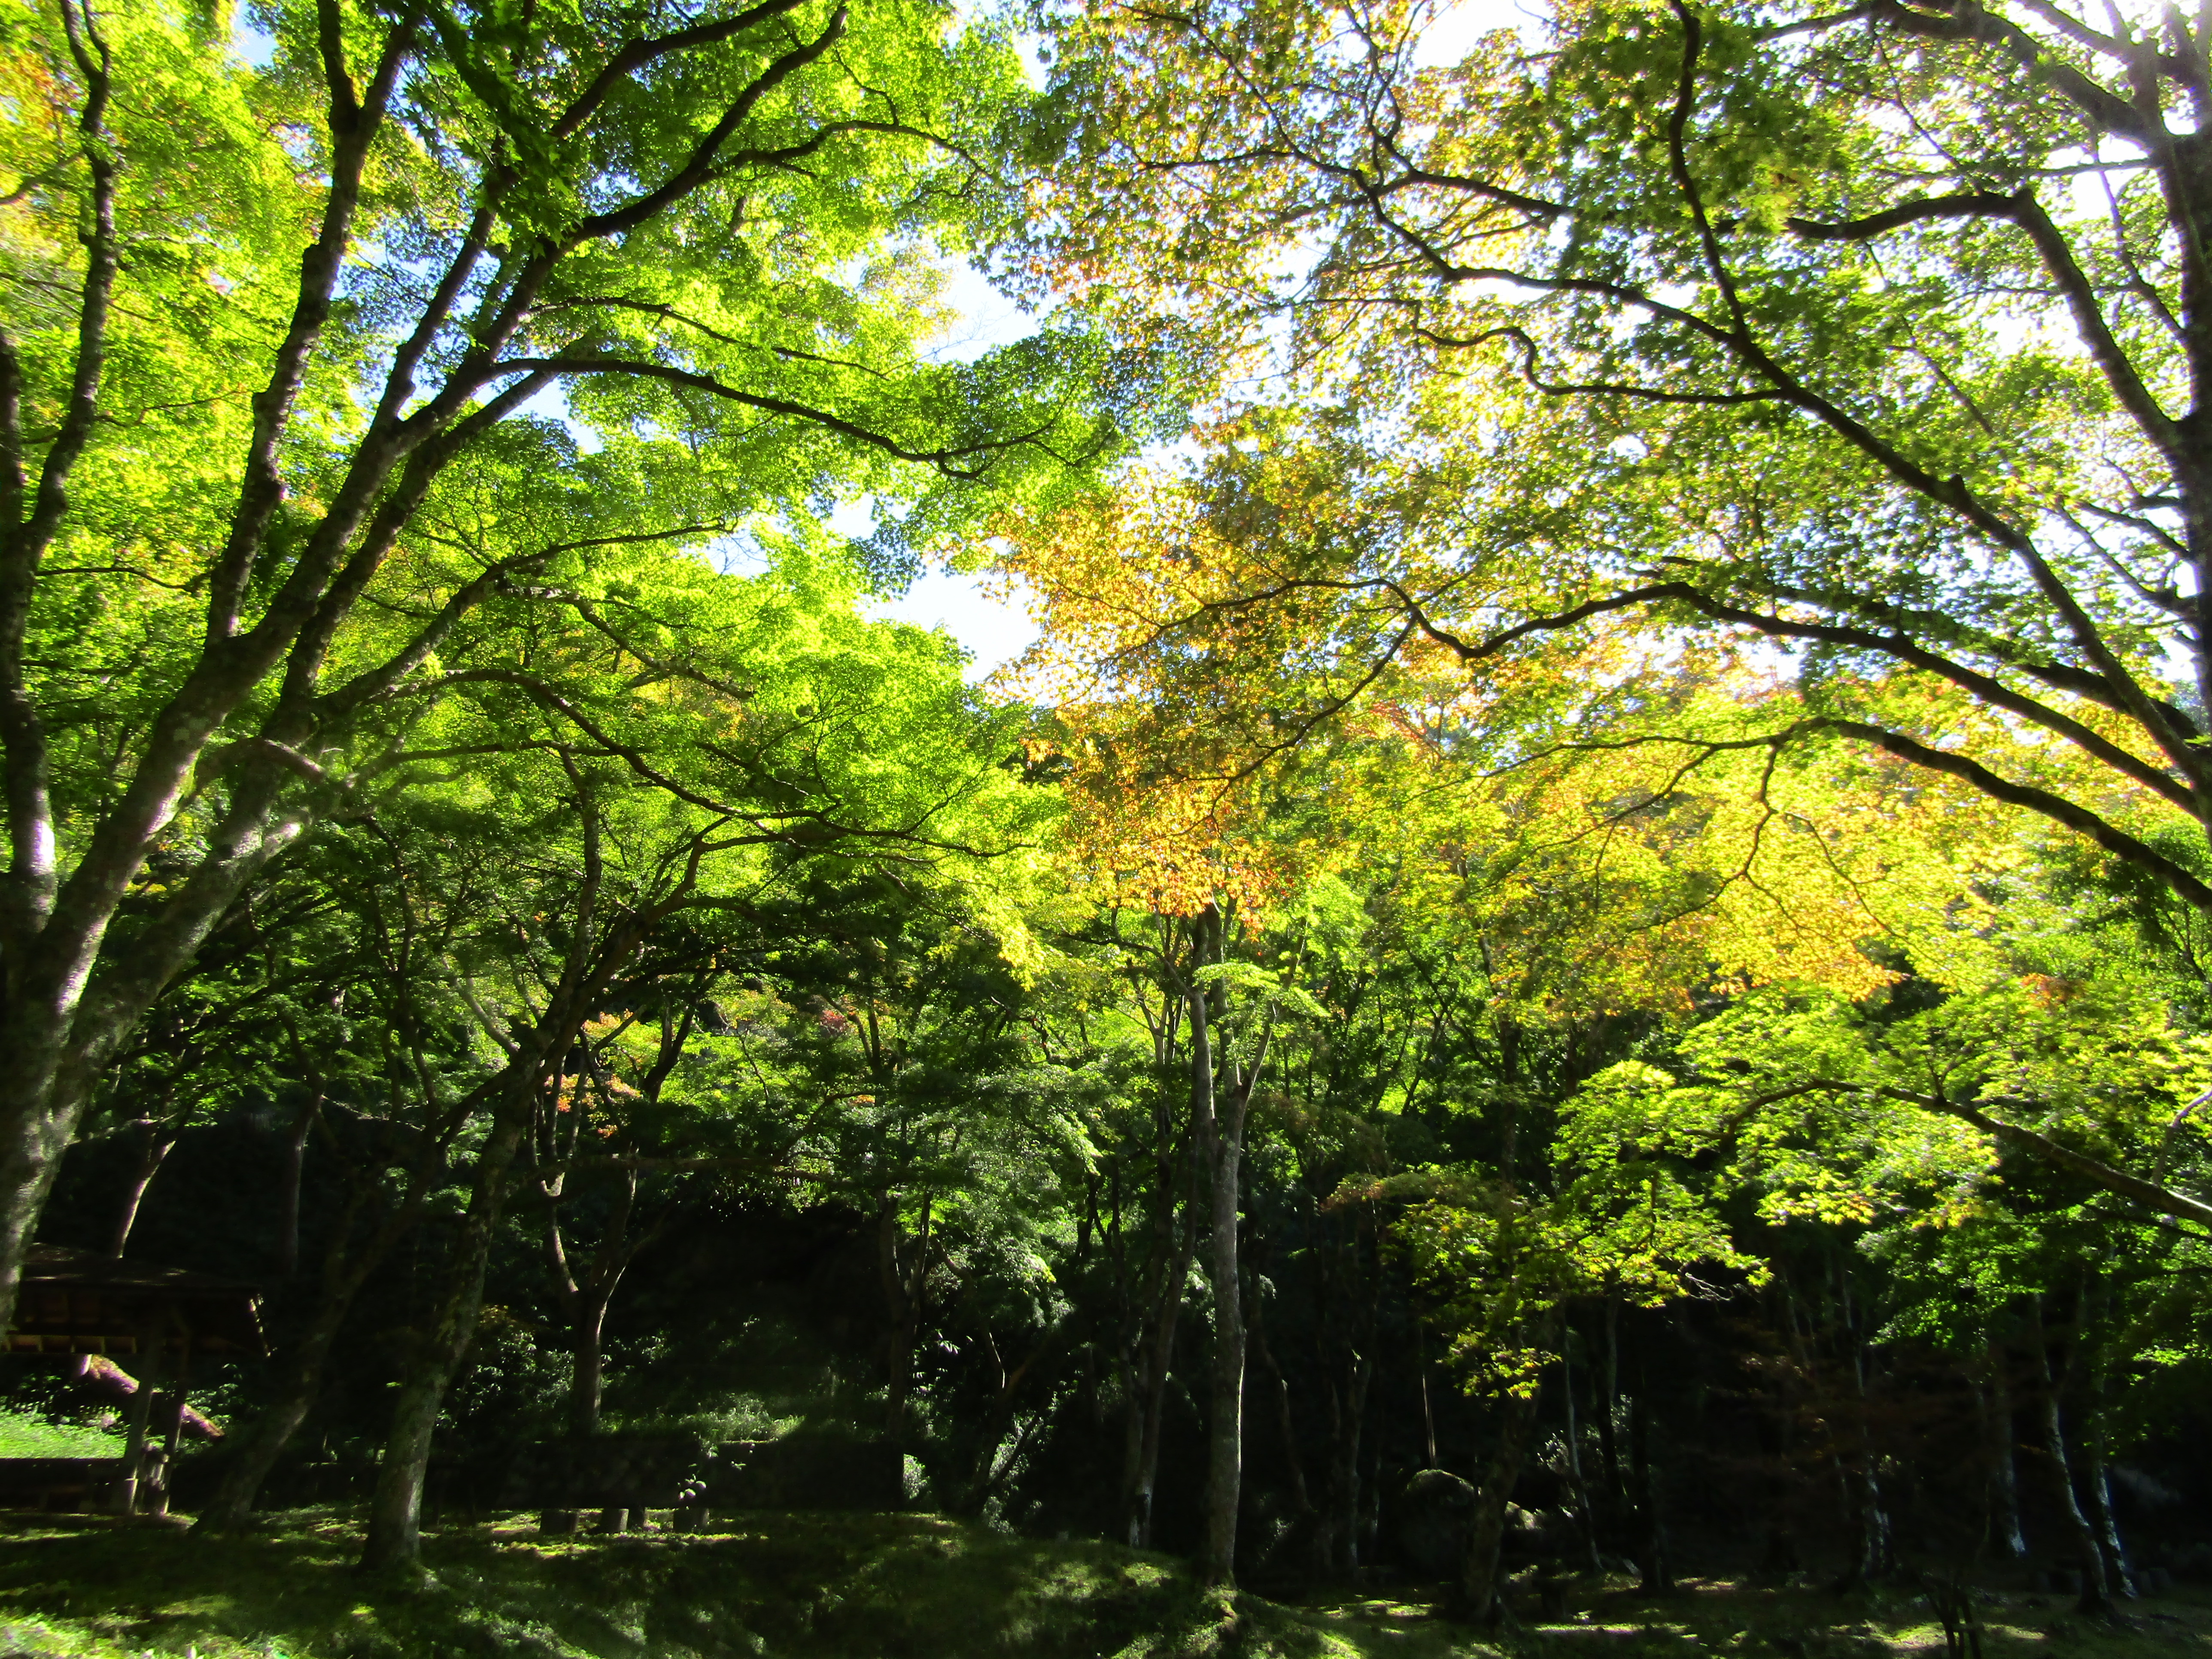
<point x="814" y="1587"/>
<point x="871" y="1587"/>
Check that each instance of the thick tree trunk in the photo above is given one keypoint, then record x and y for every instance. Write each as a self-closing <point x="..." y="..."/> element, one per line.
<point x="395" y="1517"/>
<point x="69" y="1010"/>
<point x="249" y="1463"/>
<point x="2119" y="1570"/>
<point x="33" y="1134"/>
<point x="587" y="1366"/>
<point x="1478" y="1579"/>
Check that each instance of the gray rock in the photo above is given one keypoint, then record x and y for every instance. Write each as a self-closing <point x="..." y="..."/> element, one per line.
<point x="1433" y="1517"/>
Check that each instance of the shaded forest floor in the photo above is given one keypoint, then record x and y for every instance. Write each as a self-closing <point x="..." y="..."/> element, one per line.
<point x="886" y="1587"/>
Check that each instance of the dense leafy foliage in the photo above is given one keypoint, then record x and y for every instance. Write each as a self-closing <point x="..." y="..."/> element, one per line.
<point x="1600" y="882"/>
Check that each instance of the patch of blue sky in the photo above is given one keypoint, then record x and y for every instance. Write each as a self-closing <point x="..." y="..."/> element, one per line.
<point x="991" y="630"/>
<point x="253" y="44"/>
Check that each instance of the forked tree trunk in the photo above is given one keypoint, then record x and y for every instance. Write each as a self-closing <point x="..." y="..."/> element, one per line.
<point x="2095" y="1480"/>
<point x="345" y="1272"/>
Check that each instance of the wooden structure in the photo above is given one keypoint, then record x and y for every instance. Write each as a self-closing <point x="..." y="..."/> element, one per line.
<point x="73" y="1304"/>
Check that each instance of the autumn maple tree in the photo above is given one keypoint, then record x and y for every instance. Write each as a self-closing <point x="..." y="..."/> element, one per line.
<point x="1873" y="335"/>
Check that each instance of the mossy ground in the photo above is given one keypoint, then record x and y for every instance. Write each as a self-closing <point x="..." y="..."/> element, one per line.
<point x="882" y="1587"/>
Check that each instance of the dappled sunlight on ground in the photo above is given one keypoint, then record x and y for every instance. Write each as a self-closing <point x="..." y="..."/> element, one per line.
<point x="900" y="1587"/>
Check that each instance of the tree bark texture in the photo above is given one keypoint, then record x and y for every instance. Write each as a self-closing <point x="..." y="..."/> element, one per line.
<point x="1479" y="1580"/>
<point x="395" y="1516"/>
<point x="275" y="607"/>
<point x="2081" y="1536"/>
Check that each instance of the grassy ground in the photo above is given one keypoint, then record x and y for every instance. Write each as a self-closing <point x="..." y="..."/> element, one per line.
<point x="25" y="1435"/>
<point x="881" y="1587"/>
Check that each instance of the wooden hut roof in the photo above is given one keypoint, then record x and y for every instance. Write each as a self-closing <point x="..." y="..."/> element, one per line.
<point x="73" y="1302"/>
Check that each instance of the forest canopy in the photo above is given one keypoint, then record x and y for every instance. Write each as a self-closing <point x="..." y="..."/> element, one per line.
<point x="1581" y="944"/>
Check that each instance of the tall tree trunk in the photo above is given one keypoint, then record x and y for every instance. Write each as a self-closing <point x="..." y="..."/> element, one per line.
<point x="1148" y="1351"/>
<point x="1337" y="1548"/>
<point x="1217" y="1118"/>
<point x="2119" y="1570"/>
<point x="587" y="1367"/>
<point x="1302" y="1506"/>
<point x="1608" y="1444"/>
<point x="1222" y="1137"/>
<point x="1149" y="1403"/>
<point x="2000" y="1435"/>
<point x="250" y="1461"/>
<point x="1576" y="1484"/>
<point x="902" y="1290"/>
<point x="1479" y="1580"/>
<point x="585" y="1301"/>
<point x="395" y="1516"/>
<point x="2094" y="1477"/>
<point x="2082" y="1537"/>
<point x="1650" y="1494"/>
